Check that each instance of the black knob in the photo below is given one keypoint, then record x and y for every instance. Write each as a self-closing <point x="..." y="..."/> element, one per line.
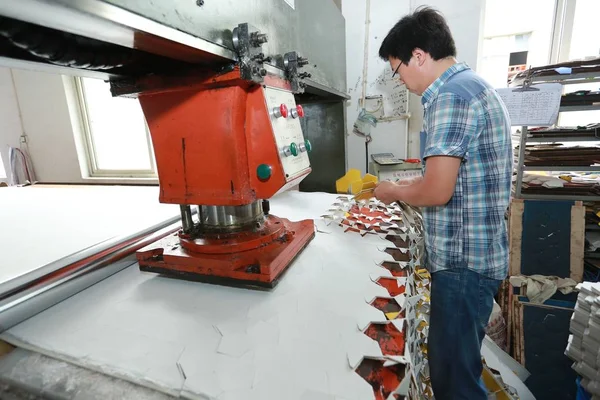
<point x="263" y="72"/>
<point x="266" y="207"/>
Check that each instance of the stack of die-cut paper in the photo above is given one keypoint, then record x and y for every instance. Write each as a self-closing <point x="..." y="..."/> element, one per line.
<point x="401" y="369"/>
<point x="584" y="341"/>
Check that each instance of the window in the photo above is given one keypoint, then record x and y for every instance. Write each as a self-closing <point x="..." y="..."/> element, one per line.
<point x="116" y="137"/>
<point x="585" y="43"/>
<point x="516" y="34"/>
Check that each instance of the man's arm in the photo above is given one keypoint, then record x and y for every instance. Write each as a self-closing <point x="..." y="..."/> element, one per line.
<point x="452" y="125"/>
<point x="409" y="181"/>
<point x="434" y="189"/>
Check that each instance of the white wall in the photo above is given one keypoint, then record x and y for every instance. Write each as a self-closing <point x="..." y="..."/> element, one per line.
<point x="10" y="121"/>
<point x="50" y="121"/>
<point x="464" y="18"/>
<point x="47" y="124"/>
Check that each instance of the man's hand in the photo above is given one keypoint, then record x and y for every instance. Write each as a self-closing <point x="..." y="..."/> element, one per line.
<point x="436" y="188"/>
<point x="386" y="192"/>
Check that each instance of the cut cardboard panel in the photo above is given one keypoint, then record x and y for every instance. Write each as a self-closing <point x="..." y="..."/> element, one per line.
<point x="399" y="241"/>
<point x="397" y="269"/>
<point x="342" y="185"/>
<point x="356" y="186"/>
<point x="383" y="380"/>
<point x="398" y="254"/>
<point x="391" y="340"/>
<point x="388" y="306"/>
<point x="392" y="315"/>
<point x="370" y="178"/>
<point x="392" y="285"/>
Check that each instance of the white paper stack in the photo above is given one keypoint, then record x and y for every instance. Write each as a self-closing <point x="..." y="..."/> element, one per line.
<point x="584" y="342"/>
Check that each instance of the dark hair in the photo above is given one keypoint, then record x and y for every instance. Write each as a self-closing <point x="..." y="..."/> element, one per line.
<point x="425" y="29"/>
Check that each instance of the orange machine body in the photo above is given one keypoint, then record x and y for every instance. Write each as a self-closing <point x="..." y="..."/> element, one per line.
<point x="211" y="138"/>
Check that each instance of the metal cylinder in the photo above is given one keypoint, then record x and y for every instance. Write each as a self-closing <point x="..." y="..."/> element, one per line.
<point x="34" y="292"/>
<point x="187" y="223"/>
<point x="230" y="218"/>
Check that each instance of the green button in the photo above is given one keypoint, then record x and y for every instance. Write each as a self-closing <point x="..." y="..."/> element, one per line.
<point x="264" y="172"/>
<point x="294" y="149"/>
<point x="308" y="145"/>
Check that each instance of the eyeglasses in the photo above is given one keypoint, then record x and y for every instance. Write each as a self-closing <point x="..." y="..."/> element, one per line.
<point x="396" y="70"/>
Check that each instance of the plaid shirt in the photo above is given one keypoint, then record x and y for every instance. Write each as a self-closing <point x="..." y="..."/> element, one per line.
<point x="464" y="117"/>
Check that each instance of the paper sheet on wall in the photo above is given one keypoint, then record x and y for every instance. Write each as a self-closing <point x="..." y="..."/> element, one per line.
<point x="537" y="107"/>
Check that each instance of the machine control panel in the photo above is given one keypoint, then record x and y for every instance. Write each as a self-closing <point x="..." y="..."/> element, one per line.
<point x="285" y="119"/>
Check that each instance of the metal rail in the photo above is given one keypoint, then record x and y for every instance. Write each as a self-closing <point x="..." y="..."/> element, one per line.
<point x="32" y="293"/>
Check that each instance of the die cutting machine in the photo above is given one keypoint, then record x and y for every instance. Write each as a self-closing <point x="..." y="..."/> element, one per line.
<point x="220" y="106"/>
<point x="225" y="143"/>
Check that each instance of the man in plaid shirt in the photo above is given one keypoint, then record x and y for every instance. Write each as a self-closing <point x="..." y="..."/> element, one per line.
<point x="464" y="193"/>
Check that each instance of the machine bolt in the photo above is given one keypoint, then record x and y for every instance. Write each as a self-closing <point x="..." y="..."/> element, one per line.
<point x="263" y="72"/>
<point x="294" y="113"/>
<point x="199" y="3"/>
<point x="302" y="61"/>
<point x="257" y="38"/>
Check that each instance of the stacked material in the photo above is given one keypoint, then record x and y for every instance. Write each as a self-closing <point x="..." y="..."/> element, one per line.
<point x="402" y="371"/>
<point x="563" y="69"/>
<point x="587" y="132"/>
<point x="584" y="342"/>
<point x="560" y="155"/>
<point x="580" y="98"/>
<point x="572" y="183"/>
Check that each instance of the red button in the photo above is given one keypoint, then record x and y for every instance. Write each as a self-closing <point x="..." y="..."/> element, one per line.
<point x="300" y="111"/>
<point x="283" y="110"/>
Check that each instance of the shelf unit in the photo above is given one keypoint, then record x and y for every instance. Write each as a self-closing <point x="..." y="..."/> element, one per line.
<point x="525" y="139"/>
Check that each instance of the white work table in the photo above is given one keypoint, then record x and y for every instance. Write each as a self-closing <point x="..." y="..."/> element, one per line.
<point x="41" y="224"/>
<point x="214" y="342"/>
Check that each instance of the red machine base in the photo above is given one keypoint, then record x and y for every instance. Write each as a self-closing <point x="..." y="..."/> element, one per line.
<point x="249" y="259"/>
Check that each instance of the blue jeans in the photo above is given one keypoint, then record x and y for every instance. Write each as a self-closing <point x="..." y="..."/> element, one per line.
<point x="461" y="304"/>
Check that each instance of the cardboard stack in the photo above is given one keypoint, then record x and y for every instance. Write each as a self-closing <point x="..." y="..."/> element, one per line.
<point x="584" y="342"/>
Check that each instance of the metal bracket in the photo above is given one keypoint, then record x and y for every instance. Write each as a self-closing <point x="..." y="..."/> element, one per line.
<point x="292" y="62"/>
<point x="248" y="41"/>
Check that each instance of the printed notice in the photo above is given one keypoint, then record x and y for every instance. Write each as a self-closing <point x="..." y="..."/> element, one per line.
<point x="537" y="107"/>
<point x="291" y="3"/>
